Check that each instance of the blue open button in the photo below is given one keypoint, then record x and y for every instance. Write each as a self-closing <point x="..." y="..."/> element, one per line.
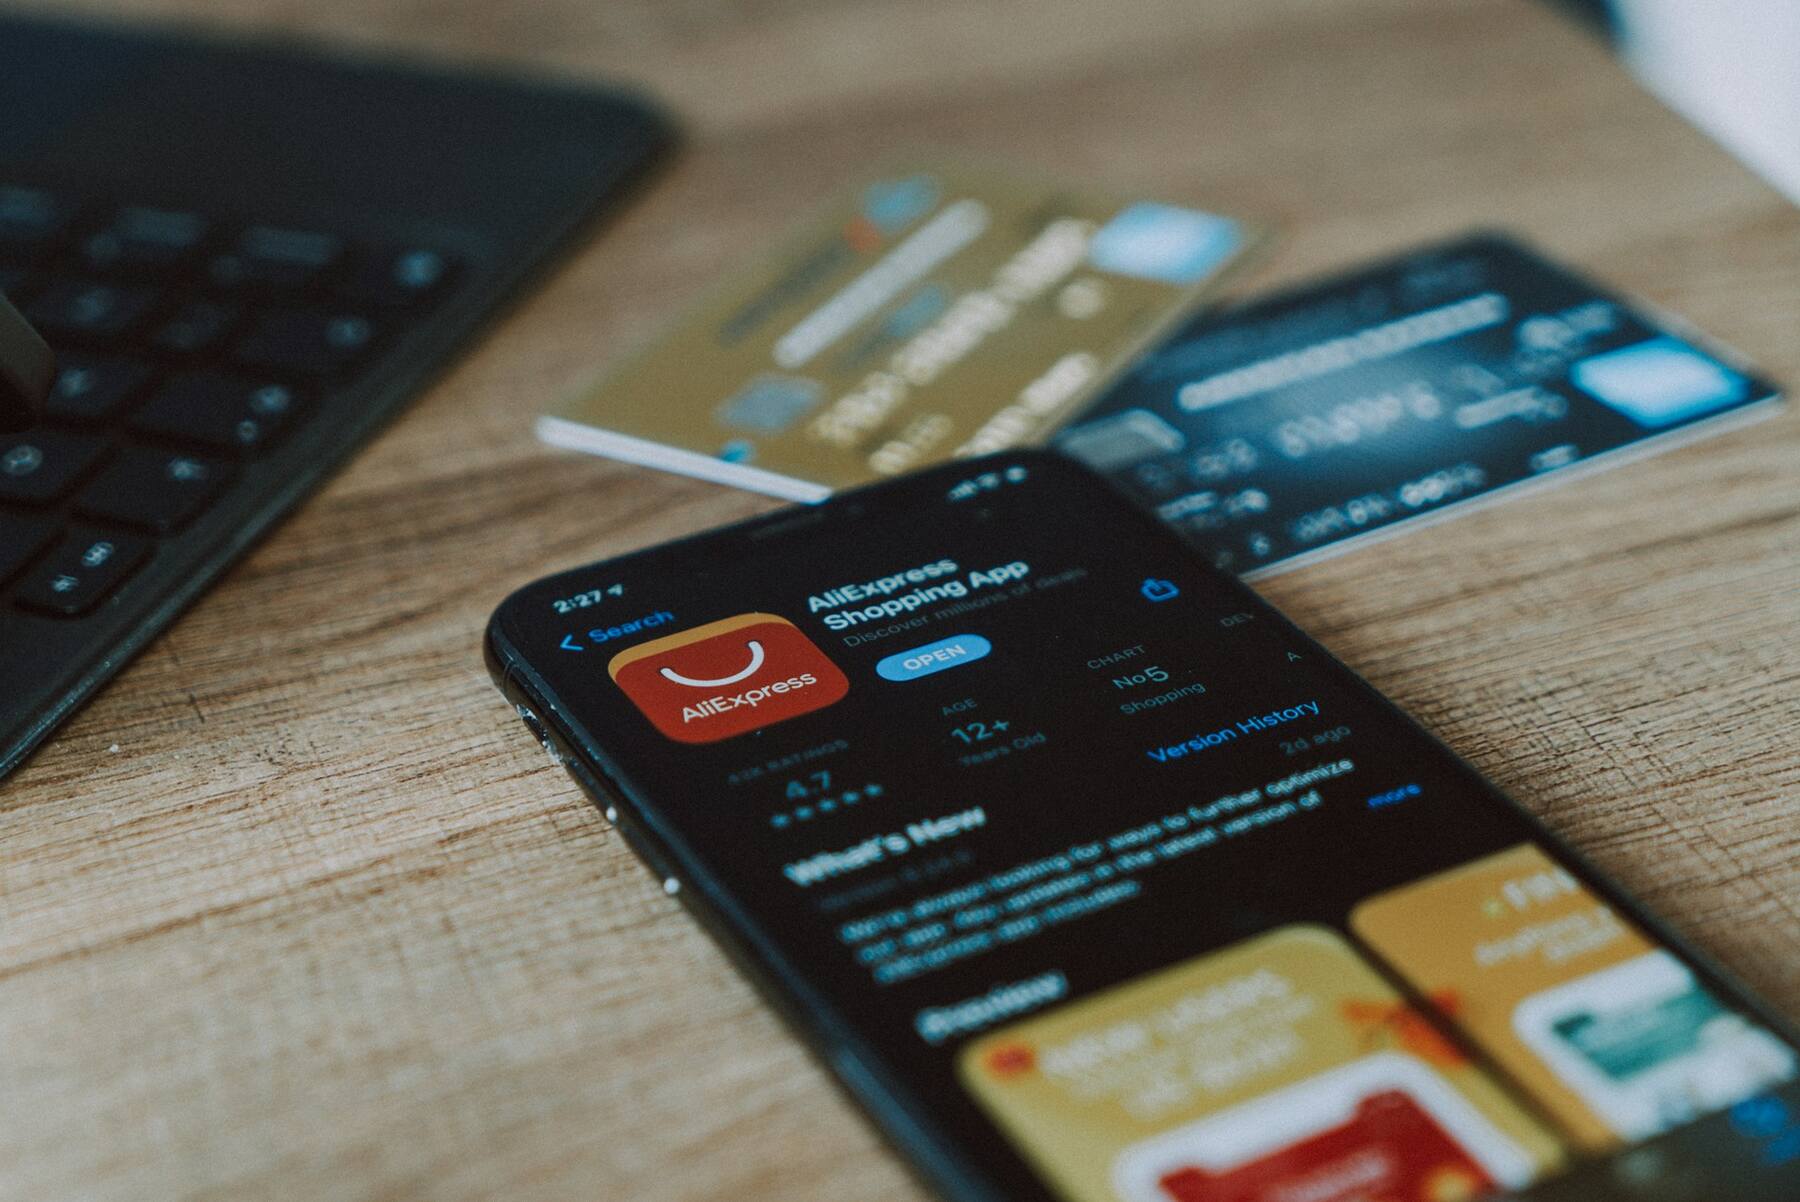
<point x="934" y="657"/>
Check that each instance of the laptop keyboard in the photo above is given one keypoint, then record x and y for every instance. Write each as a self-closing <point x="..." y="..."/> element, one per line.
<point x="187" y="345"/>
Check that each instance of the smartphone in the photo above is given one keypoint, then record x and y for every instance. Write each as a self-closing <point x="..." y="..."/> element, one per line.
<point x="1093" y="879"/>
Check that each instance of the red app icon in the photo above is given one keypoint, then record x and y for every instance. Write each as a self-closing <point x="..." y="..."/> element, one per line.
<point x="727" y="678"/>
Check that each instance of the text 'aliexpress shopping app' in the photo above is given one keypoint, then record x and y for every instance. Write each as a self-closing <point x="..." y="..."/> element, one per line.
<point x="727" y="678"/>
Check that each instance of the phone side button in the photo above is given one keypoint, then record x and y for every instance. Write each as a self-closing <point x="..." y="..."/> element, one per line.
<point x="596" y="788"/>
<point x="539" y="732"/>
<point x="605" y="795"/>
<point x="671" y="885"/>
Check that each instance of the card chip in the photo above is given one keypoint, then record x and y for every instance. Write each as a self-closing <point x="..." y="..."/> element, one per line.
<point x="770" y="404"/>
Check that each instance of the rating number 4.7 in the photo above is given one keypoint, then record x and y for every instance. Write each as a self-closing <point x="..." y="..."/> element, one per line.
<point x="811" y="785"/>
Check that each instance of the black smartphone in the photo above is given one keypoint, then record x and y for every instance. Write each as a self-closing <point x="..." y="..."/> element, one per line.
<point x="1095" y="880"/>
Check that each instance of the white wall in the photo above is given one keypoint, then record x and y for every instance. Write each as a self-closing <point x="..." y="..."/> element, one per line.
<point x="1732" y="67"/>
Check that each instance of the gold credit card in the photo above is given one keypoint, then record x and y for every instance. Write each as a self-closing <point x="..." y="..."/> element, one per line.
<point x="1282" y="1067"/>
<point x="933" y="312"/>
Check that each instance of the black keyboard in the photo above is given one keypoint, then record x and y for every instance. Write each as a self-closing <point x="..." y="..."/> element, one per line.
<point x="187" y="345"/>
<point x="245" y="260"/>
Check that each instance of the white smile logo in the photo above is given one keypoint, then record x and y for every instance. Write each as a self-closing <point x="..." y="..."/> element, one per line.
<point x="756" y="661"/>
<point x="742" y="697"/>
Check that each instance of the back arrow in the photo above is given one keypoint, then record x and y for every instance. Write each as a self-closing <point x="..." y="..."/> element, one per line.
<point x="569" y="646"/>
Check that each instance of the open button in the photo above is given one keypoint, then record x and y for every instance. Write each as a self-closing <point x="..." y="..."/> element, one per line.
<point x="934" y="657"/>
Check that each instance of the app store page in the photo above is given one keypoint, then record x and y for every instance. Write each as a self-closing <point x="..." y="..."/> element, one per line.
<point x="1114" y="875"/>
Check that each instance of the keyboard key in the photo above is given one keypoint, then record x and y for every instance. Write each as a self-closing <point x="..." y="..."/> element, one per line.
<point x="21" y="538"/>
<point x="81" y="308"/>
<point x="269" y="257"/>
<point x="396" y="277"/>
<point x="196" y="328"/>
<point x="41" y="465"/>
<point x="31" y="222"/>
<point x="155" y="490"/>
<point x="84" y="568"/>
<point x="138" y="239"/>
<point x="305" y="342"/>
<point x="91" y="388"/>
<point x="232" y="413"/>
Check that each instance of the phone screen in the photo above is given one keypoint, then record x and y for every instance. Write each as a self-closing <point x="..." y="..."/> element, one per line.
<point x="1100" y="882"/>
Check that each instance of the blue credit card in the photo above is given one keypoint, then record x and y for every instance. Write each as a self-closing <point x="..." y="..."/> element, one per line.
<point x="1289" y="428"/>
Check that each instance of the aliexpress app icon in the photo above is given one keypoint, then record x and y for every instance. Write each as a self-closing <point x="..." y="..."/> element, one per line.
<point x="727" y="678"/>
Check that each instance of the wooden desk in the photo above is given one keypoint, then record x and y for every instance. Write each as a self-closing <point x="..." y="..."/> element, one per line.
<point x="296" y="910"/>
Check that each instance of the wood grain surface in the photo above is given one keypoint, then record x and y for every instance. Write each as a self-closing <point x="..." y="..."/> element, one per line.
<point x="295" y="909"/>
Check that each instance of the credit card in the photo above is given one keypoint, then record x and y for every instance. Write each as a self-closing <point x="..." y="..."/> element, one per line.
<point x="1290" y="428"/>
<point x="932" y="312"/>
